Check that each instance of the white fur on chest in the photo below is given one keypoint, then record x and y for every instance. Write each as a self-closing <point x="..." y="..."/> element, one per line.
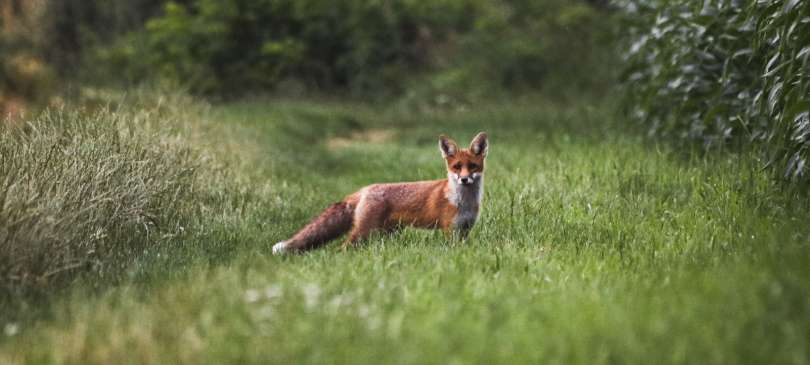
<point x="467" y="198"/>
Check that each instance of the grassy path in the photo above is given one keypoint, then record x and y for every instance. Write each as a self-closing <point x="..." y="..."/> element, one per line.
<point x="593" y="247"/>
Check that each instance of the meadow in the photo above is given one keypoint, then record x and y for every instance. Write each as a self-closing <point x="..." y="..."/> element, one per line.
<point x="595" y="245"/>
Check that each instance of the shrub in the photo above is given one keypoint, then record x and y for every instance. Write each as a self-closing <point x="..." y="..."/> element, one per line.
<point x="528" y="44"/>
<point x="85" y="191"/>
<point x="44" y="42"/>
<point x="363" y="47"/>
<point x="216" y="46"/>
<point x="722" y="71"/>
<point x="367" y="47"/>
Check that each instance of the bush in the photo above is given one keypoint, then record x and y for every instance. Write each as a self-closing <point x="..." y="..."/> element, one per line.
<point x="216" y="46"/>
<point x="724" y="71"/>
<point x="367" y="47"/>
<point x="87" y="191"/>
<point x="362" y="47"/>
<point x="45" y="42"/>
<point x="525" y="44"/>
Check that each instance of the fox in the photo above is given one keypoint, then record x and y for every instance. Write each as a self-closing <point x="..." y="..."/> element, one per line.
<point x="452" y="204"/>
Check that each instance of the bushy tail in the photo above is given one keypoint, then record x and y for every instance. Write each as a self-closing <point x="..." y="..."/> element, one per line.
<point x="333" y="222"/>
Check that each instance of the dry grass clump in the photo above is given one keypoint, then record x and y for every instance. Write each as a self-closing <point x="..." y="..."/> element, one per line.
<point x="85" y="191"/>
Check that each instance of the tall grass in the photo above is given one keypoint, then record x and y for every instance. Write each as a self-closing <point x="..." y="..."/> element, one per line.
<point x="720" y="71"/>
<point x="85" y="191"/>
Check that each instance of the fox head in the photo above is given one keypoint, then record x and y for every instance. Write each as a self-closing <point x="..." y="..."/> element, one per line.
<point x="465" y="166"/>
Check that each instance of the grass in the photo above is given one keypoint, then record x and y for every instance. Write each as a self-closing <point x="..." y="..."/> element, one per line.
<point x="593" y="247"/>
<point x="83" y="191"/>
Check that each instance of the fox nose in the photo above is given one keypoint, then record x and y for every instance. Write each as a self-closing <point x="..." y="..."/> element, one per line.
<point x="466" y="180"/>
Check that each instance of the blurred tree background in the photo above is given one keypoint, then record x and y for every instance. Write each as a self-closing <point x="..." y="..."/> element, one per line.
<point x="714" y="73"/>
<point x="365" y="48"/>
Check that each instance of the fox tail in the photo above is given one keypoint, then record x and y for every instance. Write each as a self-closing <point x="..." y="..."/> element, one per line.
<point x="333" y="222"/>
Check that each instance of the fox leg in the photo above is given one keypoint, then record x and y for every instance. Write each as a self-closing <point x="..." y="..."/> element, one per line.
<point x="361" y="231"/>
<point x="460" y="235"/>
<point x="369" y="217"/>
<point x="454" y="233"/>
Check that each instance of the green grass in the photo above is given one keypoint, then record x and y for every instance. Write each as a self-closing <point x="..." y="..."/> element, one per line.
<point x="593" y="247"/>
<point x="84" y="191"/>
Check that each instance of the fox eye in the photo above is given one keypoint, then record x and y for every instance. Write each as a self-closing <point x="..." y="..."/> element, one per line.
<point x="472" y="166"/>
<point x="457" y="166"/>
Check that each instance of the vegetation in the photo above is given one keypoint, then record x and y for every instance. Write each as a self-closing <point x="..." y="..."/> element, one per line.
<point x="45" y="43"/>
<point x="290" y="47"/>
<point x="239" y="46"/>
<point x="725" y="71"/>
<point x="137" y="227"/>
<point x="86" y="191"/>
<point x="593" y="247"/>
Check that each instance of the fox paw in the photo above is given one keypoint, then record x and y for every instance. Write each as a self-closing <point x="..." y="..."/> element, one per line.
<point x="280" y="248"/>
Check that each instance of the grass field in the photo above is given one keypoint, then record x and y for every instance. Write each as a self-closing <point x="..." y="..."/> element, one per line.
<point x="594" y="246"/>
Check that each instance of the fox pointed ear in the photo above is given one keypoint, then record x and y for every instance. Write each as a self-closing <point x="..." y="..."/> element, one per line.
<point x="480" y="144"/>
<point x="447" y="146"/>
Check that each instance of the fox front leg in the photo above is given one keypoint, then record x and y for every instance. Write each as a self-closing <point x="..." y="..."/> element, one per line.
<point x="456" y="235"/>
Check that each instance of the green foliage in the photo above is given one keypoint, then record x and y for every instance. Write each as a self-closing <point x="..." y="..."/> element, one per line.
<point x="368" y="46"/>
<point x="461" y="49"/>
<point x="725" y="71"/>
<point x="247" y="45"/>
<point x="85" y="191"/>
<point x="69" y="29"/>
<point x="526" y="44"/>
<point x="558" y="48"/>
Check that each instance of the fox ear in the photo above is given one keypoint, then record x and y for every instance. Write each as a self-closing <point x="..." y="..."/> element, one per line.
<point x="447" y="146"/>
<point x="480" y="144"/>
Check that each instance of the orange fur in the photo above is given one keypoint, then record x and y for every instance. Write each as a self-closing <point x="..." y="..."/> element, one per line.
<point x="450" y="204"/>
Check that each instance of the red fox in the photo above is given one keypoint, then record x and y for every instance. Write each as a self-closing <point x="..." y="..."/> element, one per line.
<point x="450" y="204"/>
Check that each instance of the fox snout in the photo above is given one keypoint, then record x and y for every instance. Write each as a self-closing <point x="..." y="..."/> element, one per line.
<point x="467" y="179"/>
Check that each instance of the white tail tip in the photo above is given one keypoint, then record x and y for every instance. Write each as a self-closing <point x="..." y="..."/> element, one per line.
<point x="280" y="248"/>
